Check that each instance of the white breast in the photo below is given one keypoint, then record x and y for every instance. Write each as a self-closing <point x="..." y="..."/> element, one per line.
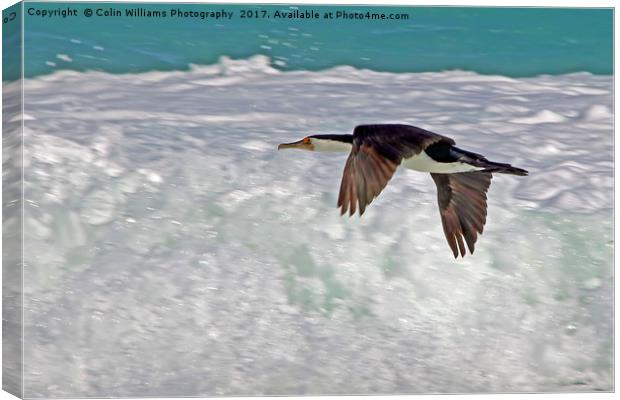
<point x="423" y="163"/>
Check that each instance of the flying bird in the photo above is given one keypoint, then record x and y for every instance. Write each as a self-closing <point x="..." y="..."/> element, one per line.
<point x="376" y="151"/>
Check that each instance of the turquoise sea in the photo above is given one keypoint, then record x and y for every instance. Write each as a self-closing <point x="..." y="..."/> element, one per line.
<point x="516" y="42"/>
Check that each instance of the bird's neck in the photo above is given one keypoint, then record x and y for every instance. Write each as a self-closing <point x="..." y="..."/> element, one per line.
<point x="333" y="143"/>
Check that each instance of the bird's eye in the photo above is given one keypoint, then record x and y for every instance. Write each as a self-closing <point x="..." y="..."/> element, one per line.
<point x="307" y="140"/>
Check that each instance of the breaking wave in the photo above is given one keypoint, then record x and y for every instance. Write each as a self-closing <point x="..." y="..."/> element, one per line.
<point x="171" y="250"/>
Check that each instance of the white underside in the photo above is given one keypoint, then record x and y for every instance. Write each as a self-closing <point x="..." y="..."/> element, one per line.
<point x="423" y="163"/>
<point x="420" y="162"/>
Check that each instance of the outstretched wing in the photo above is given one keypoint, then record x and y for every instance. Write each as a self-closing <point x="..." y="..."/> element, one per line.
<point x="376" y="153"/>
<point x="463" y="207"/>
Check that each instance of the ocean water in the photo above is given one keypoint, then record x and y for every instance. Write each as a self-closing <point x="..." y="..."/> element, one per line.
<point x="171" y="250"/>
<point x="516" y="42"/>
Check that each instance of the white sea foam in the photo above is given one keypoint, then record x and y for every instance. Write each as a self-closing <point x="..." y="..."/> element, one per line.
<point x="64" y="57"/>
<point x="173" y="251"/>
<point x="542" y="117"/>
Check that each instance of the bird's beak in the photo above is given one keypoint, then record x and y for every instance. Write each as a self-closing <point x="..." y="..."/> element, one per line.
<point x="300" y="144"/>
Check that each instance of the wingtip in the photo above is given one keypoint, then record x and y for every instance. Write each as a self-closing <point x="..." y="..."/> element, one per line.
<point x="455" y="253"/>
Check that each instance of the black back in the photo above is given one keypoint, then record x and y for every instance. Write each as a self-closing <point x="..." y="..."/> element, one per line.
<point x="396" y="141"/>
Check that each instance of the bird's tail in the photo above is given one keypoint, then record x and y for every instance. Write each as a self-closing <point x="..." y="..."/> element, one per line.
<point x="480" y="161"/>
<point x="490" y="166"/>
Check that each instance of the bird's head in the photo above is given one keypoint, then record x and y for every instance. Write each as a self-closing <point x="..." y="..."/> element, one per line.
<point x="328" y="143"/>
<point x="303" y="144"/>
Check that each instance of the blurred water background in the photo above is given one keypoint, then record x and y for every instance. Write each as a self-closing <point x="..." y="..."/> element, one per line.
<point x="171" y="250"/>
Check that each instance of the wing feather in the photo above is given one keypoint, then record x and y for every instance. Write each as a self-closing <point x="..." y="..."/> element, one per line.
<point x="376" y="153"/>
<point x="364" y="177"/>
<point x="463" y="207"/>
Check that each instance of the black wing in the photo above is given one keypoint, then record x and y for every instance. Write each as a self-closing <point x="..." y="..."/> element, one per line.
<point x="376" y="153"/>
<point x="463" y="207"/>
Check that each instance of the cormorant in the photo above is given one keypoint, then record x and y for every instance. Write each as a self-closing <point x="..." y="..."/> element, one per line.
<point x="462" y="177"/>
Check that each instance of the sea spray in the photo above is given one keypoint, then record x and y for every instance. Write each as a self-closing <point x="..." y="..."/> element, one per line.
<point x="166" y="224"/>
